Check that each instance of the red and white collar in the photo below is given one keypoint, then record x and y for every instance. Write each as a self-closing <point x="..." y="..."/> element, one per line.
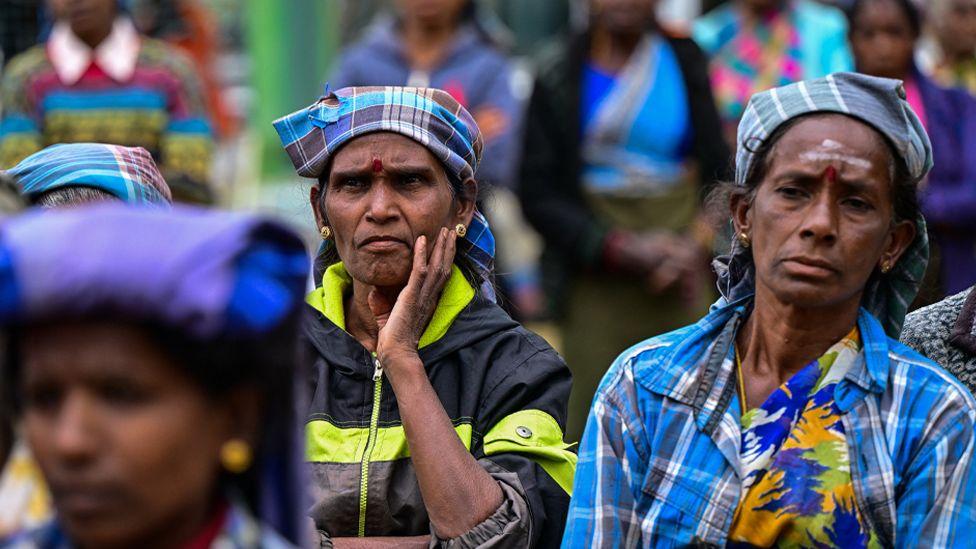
<point x="116" y="55"/>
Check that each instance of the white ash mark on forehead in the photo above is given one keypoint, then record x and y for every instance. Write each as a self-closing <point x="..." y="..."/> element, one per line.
<point x="833" y="151"/>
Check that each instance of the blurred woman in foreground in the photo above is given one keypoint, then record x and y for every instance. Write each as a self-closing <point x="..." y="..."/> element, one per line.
<point x="151" y="364"/>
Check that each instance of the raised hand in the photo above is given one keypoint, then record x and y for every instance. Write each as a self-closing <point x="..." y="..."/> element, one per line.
<point x="401" y="324"/>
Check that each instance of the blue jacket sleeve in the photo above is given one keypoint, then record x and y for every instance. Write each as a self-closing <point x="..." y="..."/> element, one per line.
<point x="501" y="116"/>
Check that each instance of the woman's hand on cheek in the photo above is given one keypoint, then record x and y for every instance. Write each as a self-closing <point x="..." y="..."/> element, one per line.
<point x="402" y="323"/>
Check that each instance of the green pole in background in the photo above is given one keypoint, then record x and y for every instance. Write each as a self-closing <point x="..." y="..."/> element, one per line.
<point x="292" y="44"/>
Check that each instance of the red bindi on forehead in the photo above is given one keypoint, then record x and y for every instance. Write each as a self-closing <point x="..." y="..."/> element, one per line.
<point x="830" y="174"/>
<point x="377" y="165"/>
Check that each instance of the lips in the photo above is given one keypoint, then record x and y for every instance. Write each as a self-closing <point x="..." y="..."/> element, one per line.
<point x="86" y="499"/>
<point x="382" y="243"/>
<point x="810" y="266"/>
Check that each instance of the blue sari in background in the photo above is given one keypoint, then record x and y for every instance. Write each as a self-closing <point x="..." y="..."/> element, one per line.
<point x="639" y="174"/>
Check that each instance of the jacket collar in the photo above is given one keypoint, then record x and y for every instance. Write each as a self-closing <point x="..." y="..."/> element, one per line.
<point x="694" y="370"/>
<point x="116" y="55"/>
<point x="329" y="299"/>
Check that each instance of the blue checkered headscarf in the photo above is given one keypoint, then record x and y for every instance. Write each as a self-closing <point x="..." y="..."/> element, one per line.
<point x="127" y="173"/>
<point x="311" y="137"/>
<point x="879" y="102"/>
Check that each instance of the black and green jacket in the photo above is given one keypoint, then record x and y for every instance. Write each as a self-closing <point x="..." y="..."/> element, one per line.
<point x="505" y="389"/>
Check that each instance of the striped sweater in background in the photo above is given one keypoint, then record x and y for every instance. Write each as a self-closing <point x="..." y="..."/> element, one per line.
<point x="130" y="90"/>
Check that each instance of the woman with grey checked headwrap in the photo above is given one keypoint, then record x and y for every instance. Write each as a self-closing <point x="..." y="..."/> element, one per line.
<point x="790" y="416"/>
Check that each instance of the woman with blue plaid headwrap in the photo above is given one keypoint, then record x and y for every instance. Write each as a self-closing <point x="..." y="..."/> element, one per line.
<point x="434" y="415"/>
<point x="790" y="416"/>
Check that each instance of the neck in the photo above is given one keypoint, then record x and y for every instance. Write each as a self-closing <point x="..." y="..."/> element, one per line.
<point x="779" y="339"/>
<point x="361" y="323"/>
<point x="426" y="42"/>
<point x="611" y="51"/>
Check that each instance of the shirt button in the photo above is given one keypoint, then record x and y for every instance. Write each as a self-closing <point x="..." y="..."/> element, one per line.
<point x="523" y="431"/>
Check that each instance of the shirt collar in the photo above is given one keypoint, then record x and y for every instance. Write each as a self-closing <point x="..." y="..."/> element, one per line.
<point x="116" y="55"/>
<point x="699" y="374"/>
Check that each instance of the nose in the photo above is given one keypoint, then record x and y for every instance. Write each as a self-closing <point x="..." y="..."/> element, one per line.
<point x="74" y="439"/>
<point x="820" y="222"/>
<point x="383" y="206"/>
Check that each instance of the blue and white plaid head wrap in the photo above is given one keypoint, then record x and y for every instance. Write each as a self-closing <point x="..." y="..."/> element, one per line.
<point x="127" y="173"/>
<point x="311" y="137"/>
<point x="879" y="102"/>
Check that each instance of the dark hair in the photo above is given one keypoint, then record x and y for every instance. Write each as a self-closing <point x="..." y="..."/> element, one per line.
<point x="330" y="256"/>
<point x="904" y="194"/>
<point x="907" y="7"/>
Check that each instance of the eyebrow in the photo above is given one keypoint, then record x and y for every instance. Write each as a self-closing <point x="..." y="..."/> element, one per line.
<point x="856" y="185"/>
<point x="400" y="169"/>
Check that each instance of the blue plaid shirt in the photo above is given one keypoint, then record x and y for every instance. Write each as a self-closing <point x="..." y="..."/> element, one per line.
<point x="659" y="461"/>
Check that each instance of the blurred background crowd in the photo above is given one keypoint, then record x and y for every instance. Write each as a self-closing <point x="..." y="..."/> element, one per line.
<point x="602" y="139"/>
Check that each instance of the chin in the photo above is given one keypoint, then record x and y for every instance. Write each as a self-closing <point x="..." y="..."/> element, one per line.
<point x="380" y="274"/>
<point x="806" y="295"/>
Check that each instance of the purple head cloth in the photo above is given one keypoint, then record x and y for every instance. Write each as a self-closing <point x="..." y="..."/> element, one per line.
<point x="208" y="274"/>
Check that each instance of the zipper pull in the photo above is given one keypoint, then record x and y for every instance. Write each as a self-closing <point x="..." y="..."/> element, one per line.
<point x="378" y="369"/>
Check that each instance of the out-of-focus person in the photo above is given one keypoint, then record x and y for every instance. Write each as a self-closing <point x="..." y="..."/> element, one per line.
<point x="790" y="415"/>
<point x="754" y="45"/>
<point x="436" y="419"/>
<point x="97" y="80"/>
<point x="450" y="45"/>
<point x="64" y="176"/>
<point x="948" y="50"/>
<point x="946" y="333"/>
<point x="883" y="35"/>
<point x="190" y="26"/>
<point x="74" y="174"/>
<point x="152" y="364"/>
<point x="622" y="139"/>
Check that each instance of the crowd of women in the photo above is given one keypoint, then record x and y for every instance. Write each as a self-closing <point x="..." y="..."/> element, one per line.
<point x="168" y="380"/>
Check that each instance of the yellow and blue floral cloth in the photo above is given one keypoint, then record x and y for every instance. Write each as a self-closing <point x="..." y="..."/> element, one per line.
<point x="797" y="489"/>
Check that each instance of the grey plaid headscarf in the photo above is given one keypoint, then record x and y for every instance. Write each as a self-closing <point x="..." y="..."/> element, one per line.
<point x="878" y="102"/>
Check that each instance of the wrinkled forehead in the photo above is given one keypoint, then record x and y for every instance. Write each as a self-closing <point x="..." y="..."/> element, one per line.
<point x="384" y="149"/>
<point x="832" y="139"/>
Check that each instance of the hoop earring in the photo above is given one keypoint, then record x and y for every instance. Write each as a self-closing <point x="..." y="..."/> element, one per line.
<point x="326" y="232"/>
<point x="461" y="230"/>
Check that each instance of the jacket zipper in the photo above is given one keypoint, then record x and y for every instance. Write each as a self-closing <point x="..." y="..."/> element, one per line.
<point x="370" y="443"/>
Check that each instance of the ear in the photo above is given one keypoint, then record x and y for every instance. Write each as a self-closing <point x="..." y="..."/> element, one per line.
<point x="899" y="239"/>
<point x="741" y="208"/>
<point x="467" y="202"/>
<point x="313" y="199"/>
<point x="243" y="407"/>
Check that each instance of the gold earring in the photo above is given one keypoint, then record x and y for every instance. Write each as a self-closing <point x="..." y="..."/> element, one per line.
<point x="885" y="267"/>
<point x="461" y="230"/>
<point x="236" y="456"/>
<point x="326" y="232"/>
<point x="744" y="240"/>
